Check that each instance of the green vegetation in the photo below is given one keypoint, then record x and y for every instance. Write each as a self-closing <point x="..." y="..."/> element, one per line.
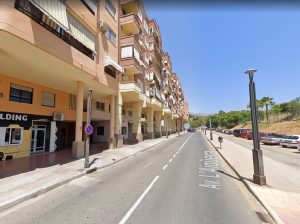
<point x="272" y="113"/>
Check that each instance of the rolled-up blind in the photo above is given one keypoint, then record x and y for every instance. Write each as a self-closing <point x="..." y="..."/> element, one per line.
<point x="55" y="9"/>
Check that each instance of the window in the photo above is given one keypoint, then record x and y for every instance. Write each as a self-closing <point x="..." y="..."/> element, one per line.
<point x="151" y="46"/>
<point x="100" y="106"/>
<point x="109" y="108"/>
<point x="48" y="99"/>
<point x="72" y="102"/>
<point x="129" y="113"/>
<point x="100" y="130"/>
<point x="13" y="136"/>
<point x="91" y="5"/>
<point x="110" y="35"/>
<point x="110" y="8"/>
<point x="110" y="71"/>
<point x="126" y="52"/>
<point x="123" y="112"/>
<point x="20" y="94"/>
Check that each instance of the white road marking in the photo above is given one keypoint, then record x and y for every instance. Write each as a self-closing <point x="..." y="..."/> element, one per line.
<point x="170" y="160"/>
<point x="131" y="210"/>
<point x="185" y="142"/>
<point x="174" y="155"/>
<point x="165" y="167"/>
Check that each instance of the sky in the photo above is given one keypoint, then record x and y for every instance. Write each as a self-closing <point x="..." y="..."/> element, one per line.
<point x="211" y="46"/>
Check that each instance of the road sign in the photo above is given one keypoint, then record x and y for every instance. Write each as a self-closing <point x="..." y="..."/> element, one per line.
<point x="186" y="126"/>
<point x="88" y="129"/>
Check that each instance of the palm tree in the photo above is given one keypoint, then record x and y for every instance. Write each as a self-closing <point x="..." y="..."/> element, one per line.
<point x="267" y="101"/>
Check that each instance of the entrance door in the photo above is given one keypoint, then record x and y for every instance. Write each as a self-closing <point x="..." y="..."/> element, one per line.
<point x="38" y="139"/>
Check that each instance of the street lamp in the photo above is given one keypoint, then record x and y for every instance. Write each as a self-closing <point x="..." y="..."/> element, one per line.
<point x="258" y="176"/>
<point x="211" y="135"/>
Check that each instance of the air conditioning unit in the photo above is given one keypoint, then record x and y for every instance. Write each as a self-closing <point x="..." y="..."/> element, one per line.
<point x="58" y="116"/>
<point x="152" y="92"/>
<point x="103" y="26"/>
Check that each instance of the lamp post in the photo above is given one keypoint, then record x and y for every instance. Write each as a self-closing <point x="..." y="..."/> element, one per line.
<point x="258" y="176"/>
<point x="211" y="135"/>
<point x="88" y="122"/>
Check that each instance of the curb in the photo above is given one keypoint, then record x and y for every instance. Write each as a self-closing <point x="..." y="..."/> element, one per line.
<point x="43" y="190"/>
<point x="270" y="211"/>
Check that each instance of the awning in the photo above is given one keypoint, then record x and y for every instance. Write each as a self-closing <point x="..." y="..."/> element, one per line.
<point x="80" y="33"/>
<point x="56" y="10"/>
<point x="109" y="61"/>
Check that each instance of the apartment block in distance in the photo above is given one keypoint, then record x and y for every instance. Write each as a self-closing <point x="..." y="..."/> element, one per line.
<point x="51" y="53"/>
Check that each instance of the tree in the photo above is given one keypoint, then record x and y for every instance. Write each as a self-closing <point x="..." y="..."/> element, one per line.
<point x="267" y="102"/>
<point x="276" y="109"/>
<point x="294" y="107"/>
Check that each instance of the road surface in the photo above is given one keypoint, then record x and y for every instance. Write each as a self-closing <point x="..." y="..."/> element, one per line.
<point x="180" y="181"/>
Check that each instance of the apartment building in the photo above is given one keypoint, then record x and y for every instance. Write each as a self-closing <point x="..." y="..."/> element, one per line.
<point x="150" y="93"/>
<point x="51" y="53"/>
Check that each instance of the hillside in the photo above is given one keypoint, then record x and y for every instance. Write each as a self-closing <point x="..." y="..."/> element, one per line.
<point x="287" y="127"/>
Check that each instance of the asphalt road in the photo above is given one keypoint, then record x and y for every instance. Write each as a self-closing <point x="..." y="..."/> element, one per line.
<point x="179" y="181"/>
<point x="288" y="156"/>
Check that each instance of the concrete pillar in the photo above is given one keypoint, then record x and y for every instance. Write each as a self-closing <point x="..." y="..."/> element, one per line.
<point x="118" y="121"/>
<point x="150" y="114"/>
<point x="112" y="139"/>
<point x="78" y="144"/>
<point x="158" y="115"/>
<point x="137" y="127"/>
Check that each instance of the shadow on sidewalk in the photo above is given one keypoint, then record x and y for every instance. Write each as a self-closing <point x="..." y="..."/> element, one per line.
<point x="236" y="178"/>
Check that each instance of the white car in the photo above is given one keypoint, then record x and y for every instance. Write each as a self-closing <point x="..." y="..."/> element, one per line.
<point x="291" y="141"/>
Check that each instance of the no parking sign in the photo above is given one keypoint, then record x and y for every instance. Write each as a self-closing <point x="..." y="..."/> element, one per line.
<point x="88" y="129"/>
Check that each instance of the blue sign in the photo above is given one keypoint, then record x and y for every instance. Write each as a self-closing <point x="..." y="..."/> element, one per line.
<point x="186" y="126"/>
<point x="88" y="129"/>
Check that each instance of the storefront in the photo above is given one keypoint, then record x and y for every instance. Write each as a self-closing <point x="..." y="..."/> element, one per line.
<point x="23" y="135"/>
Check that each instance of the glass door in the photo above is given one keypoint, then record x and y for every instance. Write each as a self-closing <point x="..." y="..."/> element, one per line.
<point x="38" y="139"/>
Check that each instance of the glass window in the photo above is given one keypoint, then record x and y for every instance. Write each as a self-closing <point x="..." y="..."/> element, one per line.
<point x="100" y="106"/>
<point x="48" y="99"/>
<point x="20" y="94"/>
<point x="13" y="136"/>
<point x="100" y="130"/>
<point x="72" y="102"/>
<point x="110" y="71"/>
<point x="110" y="35"/>
<point x="110" y="8"/>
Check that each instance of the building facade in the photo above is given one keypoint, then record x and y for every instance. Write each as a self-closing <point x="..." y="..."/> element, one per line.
<point x="53" y="52"/>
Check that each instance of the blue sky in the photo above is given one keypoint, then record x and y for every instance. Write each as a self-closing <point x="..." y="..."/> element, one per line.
<point x="211" y="47"/>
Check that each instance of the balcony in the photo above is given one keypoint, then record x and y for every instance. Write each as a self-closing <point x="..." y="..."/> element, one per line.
<point x="130" y="24"/>
<point x="129" y="6"/>
<point x="132" y="91"/>
<point x="131" y="60"/>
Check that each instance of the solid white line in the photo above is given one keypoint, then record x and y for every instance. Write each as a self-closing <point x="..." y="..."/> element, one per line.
<point x="165" y="167"/>
<point x="170" y="160"/>
<point x="185" y="142"/>
<point x="131" y="210"/>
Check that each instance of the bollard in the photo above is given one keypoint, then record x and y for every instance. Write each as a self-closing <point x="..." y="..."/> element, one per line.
<point x="220" y="139"/>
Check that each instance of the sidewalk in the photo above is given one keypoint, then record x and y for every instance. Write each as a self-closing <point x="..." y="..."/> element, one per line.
<point x="18" y="188"/>
<point x="281" y="196"/>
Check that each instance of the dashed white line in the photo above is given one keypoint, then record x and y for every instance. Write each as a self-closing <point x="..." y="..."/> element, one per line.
<point x="165" y="167"/>
<point x="170" y="160"/>
<point x="131" y="210"/>
<point x="174" y="155"/>
<point x="185" y="142"/>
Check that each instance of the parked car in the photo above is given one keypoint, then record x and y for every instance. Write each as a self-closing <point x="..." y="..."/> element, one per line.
<point x="261" y="134"/>
<point x="290" y="141"/>
<point x="245" y="133"/>
<point x="272" y="139"/>
<point x="237" y="132"/>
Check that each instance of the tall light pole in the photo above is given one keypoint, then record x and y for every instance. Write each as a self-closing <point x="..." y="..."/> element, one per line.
<point x="211" y="135"/>
<point x="88" y="122"/>
<point x="258" y="176"/>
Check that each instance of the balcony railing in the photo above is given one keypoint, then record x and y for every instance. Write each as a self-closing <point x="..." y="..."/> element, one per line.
<point x="39" y="17"/>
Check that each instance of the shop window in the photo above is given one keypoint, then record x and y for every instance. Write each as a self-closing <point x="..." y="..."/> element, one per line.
<point x="100" y="130"/>
<point x="110" y="8"/>
<point x="48" y="99"/>
<point x="20" y="94"/>
<point x="110" y="71"/>
<point x="12" y="136"/>
<point x="100" y="106"/>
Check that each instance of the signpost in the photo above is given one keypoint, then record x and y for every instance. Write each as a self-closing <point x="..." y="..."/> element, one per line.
<point x="186" y="126"/>
<point x="88" y="130"/>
